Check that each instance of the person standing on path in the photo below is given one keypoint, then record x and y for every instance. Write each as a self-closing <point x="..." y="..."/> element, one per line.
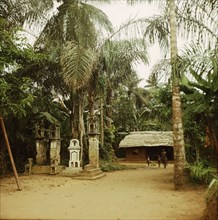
<point x="164" y="158"/>
<point x="159" y="160"/>
<point x="148" y="160"/>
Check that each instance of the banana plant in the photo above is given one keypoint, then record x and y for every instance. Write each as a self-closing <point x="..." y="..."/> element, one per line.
<point x="200" y="83"/>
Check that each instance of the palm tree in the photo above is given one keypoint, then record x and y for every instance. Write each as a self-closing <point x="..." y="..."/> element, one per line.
<point x="119" y="57"/>
<point x="73" y="33"/>
<point x="178" y="136"/>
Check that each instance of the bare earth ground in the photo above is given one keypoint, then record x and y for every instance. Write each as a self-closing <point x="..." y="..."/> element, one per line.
<point x="145" y="193"/>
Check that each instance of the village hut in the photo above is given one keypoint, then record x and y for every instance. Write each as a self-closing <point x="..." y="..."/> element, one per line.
<point x="138" y="145"/>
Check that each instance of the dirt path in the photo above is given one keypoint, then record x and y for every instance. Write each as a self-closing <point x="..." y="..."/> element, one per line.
<point x="129" y="194"/>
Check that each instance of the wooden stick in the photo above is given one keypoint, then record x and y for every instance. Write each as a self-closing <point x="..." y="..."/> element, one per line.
<point x="9" y="152"/>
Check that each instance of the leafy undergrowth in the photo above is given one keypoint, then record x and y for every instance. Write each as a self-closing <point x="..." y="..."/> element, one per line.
<point x="108" y="166"/>
<point x="199" y="173"/>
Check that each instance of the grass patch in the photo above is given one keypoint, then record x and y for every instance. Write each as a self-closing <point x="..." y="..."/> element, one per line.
<point x="108" y="166"/>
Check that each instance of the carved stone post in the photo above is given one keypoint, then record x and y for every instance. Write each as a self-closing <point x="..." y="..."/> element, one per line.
<point x="74" y="149"/>
<point x="55" y="143"/>
<point x="28" y="167"/>
<point x="40" y="145"/>
<point x="93" y="143"/>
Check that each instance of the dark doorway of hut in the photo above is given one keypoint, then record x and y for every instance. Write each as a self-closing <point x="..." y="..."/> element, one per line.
<point x="154" y="152"/>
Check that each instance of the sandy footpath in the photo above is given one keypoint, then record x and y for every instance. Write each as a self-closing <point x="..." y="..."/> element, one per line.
<point x="145" y="193"/>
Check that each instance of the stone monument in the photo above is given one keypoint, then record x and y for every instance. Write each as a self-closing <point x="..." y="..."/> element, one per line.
<point x="48" y="145"/>
<point x="92" y="170"/>
<point x="54" y="166"/>
<point x="28" y="167"/>
<point x="40" y="144"/>
<point x="55" y="143"/>
<point x="93" y="143"/>
<point x="75" y="158"/>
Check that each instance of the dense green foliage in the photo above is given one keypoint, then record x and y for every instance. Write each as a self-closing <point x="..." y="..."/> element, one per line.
<point x="15" y="91"/>
<point x="201" y="173"/>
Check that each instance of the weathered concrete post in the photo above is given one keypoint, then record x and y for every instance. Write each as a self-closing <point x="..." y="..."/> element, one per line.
<point x="28" y="167"/>
<point x="40" y="145"/>
<point x="55" y="143"/>
<point x="93" y="143"/>
<point x="48" y="145"/>
<point x="94" y="150"/>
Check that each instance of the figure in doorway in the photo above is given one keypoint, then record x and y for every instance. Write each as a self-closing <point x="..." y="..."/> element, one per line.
<point x="159" y="160"/>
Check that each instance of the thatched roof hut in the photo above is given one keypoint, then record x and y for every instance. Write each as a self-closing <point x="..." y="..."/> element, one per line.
<point x="147" y="139"/>
<point x="137" y="145"/>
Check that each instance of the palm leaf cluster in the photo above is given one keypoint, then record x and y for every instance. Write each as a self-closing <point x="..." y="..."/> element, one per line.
<point x="77" y="64"/>
<point x="201" y="17"/>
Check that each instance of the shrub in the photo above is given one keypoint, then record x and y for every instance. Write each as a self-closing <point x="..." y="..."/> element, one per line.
<point x="108" y="166"/>
<point x="200" y="173"/>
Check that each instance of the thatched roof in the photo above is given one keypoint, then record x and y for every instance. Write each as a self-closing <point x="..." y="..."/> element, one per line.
<point x="147" y="139"/>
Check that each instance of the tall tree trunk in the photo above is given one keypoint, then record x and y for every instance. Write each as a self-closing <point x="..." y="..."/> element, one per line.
<point x="74" y="115"/>
<point x="178" y="136"/>
<point x="81" y="124"/>
<point x="109" y="105"/>
<point x="102" y="121"/>
<point x="92" y="90"/>
<point x="77" y="119"/>
<point x="91" y="100"/>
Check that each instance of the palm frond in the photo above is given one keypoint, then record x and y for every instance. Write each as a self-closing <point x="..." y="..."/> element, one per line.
<point x="160" y="72"/>
<point x="140" y="97"/>
<point x="54" y="29"/>
<point x="154" y="29"/>
<point x="76" y="21"/>
<point x="196" y="103"/>
<point x="98" y="17"/>
<point x="157" y="30"/>
<point x="199" y="19"/>
<point x="189" y="26"/>
<point x="19" y="11"/>
<point x="77" y="63"/>
<point x="48" y="117"/>
<point x="200" y="65"/>
<point x="124" y="52"/>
